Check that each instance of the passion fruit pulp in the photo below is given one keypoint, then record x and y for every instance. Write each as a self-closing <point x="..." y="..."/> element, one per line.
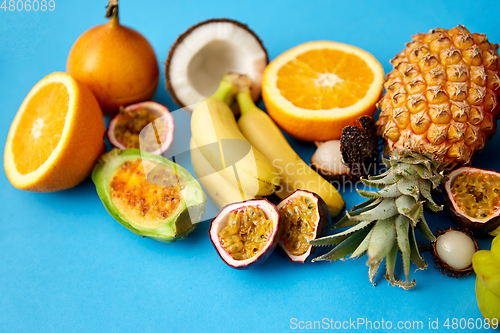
<point x="148" y="194"/>
<point x="473" y="197"/>
<point x="148" y="126"/>
<point x="244" y="234"/>
<point x="304" y="216"/>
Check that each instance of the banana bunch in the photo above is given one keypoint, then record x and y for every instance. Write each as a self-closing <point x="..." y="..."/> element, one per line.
<point x="265" y="135"/>
<point x="486" y="264"/>
<point x="269" y="163"/>
<point x="220" y="190"/>
<point x="229" y="168"/>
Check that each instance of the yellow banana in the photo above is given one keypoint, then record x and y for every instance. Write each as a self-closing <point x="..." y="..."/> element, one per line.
<point x="265" y="135"/>
<point x="215" y="132"/>
<point x="221" y="191"/>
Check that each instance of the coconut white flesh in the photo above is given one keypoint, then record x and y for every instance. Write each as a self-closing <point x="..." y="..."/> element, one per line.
<point x="220" y="222"/>
<point x="329" y="158"/>
<point x="208" y="53"/>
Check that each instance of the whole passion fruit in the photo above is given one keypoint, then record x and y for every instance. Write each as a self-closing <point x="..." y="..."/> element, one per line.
<point x="244" y="234"/>
<point x="473" y="197"/>
<point x="304" y="216"/>
<point x="147" y="126"/>
<point x="148" y="194"/>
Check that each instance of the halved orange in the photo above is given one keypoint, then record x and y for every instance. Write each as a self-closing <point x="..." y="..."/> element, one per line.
<point x="315" y="89"/>
<point x="56" y="136"/>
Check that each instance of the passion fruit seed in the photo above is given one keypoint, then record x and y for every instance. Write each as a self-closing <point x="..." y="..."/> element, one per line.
<point x="130" y="124"/>
<point x="297" y="224"/>
<point x="477" y="194"/>
<point x="456" y="249"/>
<point x="146" y="203"/>
<point x="246" y="233"/>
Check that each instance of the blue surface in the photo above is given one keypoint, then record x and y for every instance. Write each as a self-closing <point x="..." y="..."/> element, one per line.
<point x="66" y="265"/>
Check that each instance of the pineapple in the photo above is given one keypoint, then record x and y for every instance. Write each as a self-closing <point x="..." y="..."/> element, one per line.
<point x="441" y="97"/>
<point x="440" y="106"/>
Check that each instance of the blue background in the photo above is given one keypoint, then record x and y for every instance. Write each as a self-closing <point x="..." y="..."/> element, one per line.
<point x="66" y="265"/>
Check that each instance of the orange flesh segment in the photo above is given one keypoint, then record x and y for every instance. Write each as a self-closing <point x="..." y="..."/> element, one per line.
<point x="40" y="127"/>
<point x="324" y="79"/>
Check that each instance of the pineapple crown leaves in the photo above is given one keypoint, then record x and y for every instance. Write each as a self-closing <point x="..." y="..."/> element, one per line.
<point x="386" y="222"/>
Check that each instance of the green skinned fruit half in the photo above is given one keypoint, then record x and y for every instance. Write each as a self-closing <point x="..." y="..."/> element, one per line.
<point x="149" y="194"/>
<point x="486" y="264"/>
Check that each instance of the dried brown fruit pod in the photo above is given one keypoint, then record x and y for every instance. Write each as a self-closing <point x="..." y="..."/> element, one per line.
<point x="354" y="156"/>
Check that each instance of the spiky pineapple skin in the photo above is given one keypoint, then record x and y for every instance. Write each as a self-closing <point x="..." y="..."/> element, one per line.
<point x="442" y="95"/>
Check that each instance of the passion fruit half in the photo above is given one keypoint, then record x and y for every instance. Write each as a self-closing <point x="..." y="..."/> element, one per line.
<point x="244" y="234"/>
<point x="473" y="197"/>
<point x="148" y="126"/>
<point x="148" y="194"/>
<point x="304" y="216"/>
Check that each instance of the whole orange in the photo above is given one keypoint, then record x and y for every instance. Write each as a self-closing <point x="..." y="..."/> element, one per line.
<point x="117" y="63"/>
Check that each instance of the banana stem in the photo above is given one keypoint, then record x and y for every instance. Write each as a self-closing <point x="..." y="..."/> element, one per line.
<point x="246" y="102"/>
<point x="224" y="93"/>
<point x="112" y="10"/>
<point x="231" y="84"/>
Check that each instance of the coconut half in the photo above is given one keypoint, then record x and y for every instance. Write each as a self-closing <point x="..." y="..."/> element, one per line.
<point x="202" y="55"/>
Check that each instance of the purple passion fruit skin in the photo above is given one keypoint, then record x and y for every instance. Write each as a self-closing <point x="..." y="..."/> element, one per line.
<point x="304" y="216"/>
<point x="244" y="234"/>
<point x="148" y="194"/>
<point x="473" y="198"/>
<point x="148" y="126"/>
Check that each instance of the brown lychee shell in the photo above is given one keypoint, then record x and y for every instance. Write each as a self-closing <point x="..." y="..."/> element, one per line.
<point x="443" y="267"/>
<point x="181" y="38"/>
